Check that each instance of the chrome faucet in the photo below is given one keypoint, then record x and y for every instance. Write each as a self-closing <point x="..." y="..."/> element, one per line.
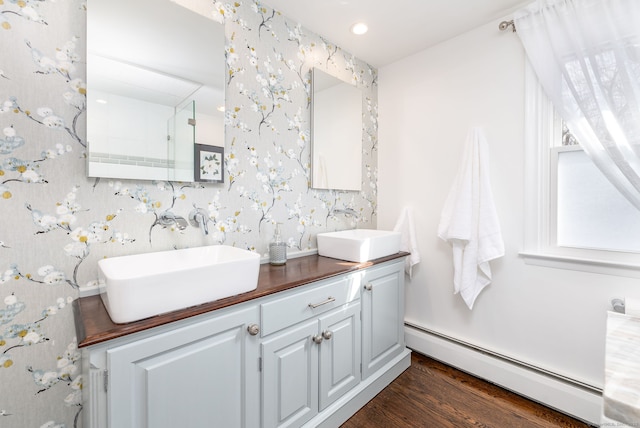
<point x="350" y="214"/>
<point x="199" y="218"/>
<point x="167" y="218"/>
<point x="346" y="211"/>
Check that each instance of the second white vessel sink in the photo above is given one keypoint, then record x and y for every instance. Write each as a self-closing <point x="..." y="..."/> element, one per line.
<point x="358" y="245"/>
<point x="143" y="285"/>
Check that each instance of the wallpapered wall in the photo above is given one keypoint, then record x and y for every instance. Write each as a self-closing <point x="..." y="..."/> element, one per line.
<point x="56" y="223"/>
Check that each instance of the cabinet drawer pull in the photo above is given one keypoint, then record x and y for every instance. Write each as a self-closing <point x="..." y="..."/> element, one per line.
<point x="253" y="329"/>
<point x="368" y="286"/>
<point x="315" y="305"/>
<point x="317" y="339"/>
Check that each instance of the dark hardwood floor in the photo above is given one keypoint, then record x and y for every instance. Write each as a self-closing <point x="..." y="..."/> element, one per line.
<point x="432" y="394"/>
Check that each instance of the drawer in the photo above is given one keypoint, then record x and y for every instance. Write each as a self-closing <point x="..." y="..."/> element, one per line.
<point x="308" y="302"/>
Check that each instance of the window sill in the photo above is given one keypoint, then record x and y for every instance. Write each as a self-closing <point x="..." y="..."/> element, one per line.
<point x="605" y="267"/>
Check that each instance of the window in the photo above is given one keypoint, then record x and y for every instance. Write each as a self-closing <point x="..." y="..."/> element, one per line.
<point x="585" y="204"/>
<point x="569" y="203"/>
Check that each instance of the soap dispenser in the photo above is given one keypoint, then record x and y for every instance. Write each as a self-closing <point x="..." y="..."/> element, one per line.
<point x="277" y="249"/>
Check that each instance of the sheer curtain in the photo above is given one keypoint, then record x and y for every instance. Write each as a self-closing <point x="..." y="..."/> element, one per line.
<point x="586" y="54"/>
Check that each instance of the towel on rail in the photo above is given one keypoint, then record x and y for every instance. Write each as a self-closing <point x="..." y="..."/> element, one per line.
<point x="408" y="240"/>
<point x="469" y="222"/>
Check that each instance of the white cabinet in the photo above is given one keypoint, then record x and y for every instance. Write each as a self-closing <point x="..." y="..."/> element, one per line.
<point x="339" y="353"/>
<point x="290" y="380"/>
<point x="200" y="374"/>
<point x="310" y="365"/>
<point x="382" y="316"/>
<point x="196" y="376"/>
<point x="308" y="356"/>
<point x="310" y="350"/>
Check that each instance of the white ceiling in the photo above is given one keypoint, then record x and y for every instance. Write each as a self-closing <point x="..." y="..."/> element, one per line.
<point x="397" y="28"/>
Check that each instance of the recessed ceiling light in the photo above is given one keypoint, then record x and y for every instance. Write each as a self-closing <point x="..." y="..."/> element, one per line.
<point x="101" y="101"/>
<point x="359" y="28"/>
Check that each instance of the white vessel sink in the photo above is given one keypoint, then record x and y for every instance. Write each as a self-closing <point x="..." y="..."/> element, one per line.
<point x="358" y="245"/>
<point x="143" y="285"/>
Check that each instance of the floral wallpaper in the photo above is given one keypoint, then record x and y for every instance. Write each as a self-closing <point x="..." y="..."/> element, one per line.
<point x="56" y="223"/>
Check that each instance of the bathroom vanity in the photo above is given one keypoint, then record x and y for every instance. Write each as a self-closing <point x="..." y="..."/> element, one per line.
<point x="316" y="340"/>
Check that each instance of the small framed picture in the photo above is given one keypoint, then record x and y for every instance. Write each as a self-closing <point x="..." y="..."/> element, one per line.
<point x="209" y="163"/>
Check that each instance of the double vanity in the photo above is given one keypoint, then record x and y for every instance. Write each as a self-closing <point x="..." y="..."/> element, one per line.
<point x="310" y="345"/>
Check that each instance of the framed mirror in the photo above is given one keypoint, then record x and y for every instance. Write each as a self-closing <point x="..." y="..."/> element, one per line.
<point x="155" y="87"/>
<point x="336" y="133"/>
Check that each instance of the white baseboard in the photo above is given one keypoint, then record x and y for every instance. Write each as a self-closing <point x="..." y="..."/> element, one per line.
<point x="574" y="400"/>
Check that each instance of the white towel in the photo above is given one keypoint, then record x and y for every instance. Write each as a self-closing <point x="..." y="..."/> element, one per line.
<point x="408" y="241"/>
<point x="469" y="221"/>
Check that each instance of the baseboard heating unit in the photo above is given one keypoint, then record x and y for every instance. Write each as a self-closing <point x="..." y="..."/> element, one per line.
<point x="569" y="396"/>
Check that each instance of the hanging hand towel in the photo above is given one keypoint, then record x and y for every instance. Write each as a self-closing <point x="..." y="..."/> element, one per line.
<point x="408" y="241"/>
<point x="469" y="221"/>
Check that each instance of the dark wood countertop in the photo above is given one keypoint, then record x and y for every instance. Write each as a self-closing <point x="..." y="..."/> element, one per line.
<point x="94" y="326"/>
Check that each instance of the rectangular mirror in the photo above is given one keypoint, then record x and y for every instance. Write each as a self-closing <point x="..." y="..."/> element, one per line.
<point x="336" y="133"/>
<point x="155" y="87"/>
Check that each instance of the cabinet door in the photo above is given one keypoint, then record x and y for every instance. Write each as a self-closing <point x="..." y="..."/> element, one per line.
<point x="290" y="376"/>
<point x="339" y="353"/>
<point x="382" y="316"/>
<point x="202" y="375"/>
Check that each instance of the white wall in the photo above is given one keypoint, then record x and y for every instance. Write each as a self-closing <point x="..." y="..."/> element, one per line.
<point x="550" y="318"/>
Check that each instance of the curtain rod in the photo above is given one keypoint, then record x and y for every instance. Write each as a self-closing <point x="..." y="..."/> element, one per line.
<point x="506" y="24"/>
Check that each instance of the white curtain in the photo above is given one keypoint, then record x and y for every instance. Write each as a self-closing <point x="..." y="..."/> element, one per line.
<point x="586" y="54"/>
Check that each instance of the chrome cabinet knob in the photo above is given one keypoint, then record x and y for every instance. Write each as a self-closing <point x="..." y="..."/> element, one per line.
<point x="253" y="329"/>
<point x="368" y="286"/>
<point x="317" y="339"/>
<point x="327" y="334"/>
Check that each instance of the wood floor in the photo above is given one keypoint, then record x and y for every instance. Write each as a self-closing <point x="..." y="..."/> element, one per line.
<point x="431" y="394"/>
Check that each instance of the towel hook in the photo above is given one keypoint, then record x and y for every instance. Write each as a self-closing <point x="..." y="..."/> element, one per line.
<point x="506" y="24"/>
